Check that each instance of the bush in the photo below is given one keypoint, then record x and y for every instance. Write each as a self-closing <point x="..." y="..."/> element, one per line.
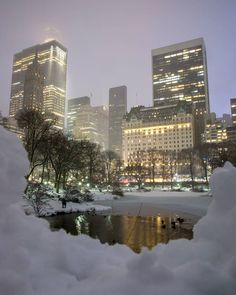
<point x="117" y="191"/>
<point x="88" y="196"/>
<point x="76" y="196"/>
<point x="37" y="197"/>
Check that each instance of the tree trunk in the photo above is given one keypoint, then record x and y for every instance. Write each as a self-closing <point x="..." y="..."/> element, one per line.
<point x="42" y="175"/>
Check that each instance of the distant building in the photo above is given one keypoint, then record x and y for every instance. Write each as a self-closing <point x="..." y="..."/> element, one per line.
<point x="74" y="106"/>
<point x="33" y="86"/>
<point x="171" y="134"/>
<point x="52" y="58"/>
<point x="233" y="110"/>
<point x="180" y="74"/>
<point x="218" y="130"/>
<point x="117" y="109"/>
<point x="231" y="134"/>
<point x="91" y="123"/>
<point x="215" y="131"/>
<point x="226" y="120"/>
<point x="101" y="115"/>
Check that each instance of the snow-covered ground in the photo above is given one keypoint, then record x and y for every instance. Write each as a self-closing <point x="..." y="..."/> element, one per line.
<point x="135" y="203"/>
<point x="34" y="260"/>
<point x="54" y="207"/>
<point x="154" y="202"/>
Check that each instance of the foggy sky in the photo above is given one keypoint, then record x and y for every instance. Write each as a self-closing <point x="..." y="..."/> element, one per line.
<point x="109" y="42"/>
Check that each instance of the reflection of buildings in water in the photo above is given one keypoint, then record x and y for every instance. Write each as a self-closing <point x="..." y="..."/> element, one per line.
<point x="134" y="231"/>
<point x="82" y="224"/>
<point x="137" y="231"/>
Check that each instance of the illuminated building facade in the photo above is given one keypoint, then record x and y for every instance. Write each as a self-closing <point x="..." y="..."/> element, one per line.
<point x="172" y="134"/>
<point x="231" y="134"/>
<point x="33" y="87"/>
<point x="218" y="130"/>
<point x="233" y="110"/>
<point x="73" y="107"/>
<point x="91" y="123"/>
<point x="117" y="110"/>
<point x="52" y="58"/>
<point x="180" y="74"/>
<point x="215" y="131"/>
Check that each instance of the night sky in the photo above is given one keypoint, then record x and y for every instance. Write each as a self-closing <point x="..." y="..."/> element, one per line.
<point x="109" y="42"/>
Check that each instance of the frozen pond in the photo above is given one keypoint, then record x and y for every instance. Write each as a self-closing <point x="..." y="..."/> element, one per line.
<point x="134" y="231"/>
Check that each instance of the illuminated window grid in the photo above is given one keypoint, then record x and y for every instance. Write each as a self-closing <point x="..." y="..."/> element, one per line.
<point x="174" y="136"/>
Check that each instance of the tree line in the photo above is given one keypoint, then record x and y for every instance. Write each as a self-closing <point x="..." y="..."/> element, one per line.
<point x="56" y="158"/>
<point x="195" y="163"/>
<point x="63" y="161"/>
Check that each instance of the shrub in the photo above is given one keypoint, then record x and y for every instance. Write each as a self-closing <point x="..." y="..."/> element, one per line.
<point x="117" y="191"/>
<point x="37" y="197"/>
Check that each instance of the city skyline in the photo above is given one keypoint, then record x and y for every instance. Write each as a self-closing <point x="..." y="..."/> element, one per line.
<point x="105" y="53"/>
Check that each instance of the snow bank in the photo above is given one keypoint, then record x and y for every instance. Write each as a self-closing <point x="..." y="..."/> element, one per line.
<point x="34" y="260"/>
<point x="13" y="167"/>
<point x="54" y="207"/>
<point x="104" y="196"/>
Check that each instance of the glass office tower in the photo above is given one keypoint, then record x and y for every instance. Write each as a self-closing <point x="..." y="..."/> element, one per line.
<point x="180" y="73"/>
<point x="73" y="107"/>
<point x="52" y="58"/>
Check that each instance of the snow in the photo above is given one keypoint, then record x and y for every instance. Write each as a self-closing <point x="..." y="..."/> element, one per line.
<point x="34" y="260"/>
<point x="104" y="196"/>
<point x="54" y="207"/>
<point x="155" y="202"/>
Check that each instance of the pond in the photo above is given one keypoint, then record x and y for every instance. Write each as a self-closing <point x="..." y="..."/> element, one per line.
<point x="134" y="231"/>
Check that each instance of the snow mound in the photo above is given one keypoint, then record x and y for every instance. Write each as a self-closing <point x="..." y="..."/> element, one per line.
<point x="14" y="166"/>
<point x="34" y="260"/>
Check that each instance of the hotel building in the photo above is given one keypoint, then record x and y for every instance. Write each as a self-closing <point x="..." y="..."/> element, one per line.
<point x="171" y="134"/>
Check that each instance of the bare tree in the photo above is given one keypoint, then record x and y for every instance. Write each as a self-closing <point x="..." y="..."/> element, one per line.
<point x="93" y="162"/>
<point x="62" y="155"/>
<point x="136" y="168"/>
<point x="111" y="161"/>
<point x="152" y="161"/>
<point x="36" y="128"/>
<point x="188" y="157"/>
<point x="172" y="164"/>
<point x="36" y="195"/>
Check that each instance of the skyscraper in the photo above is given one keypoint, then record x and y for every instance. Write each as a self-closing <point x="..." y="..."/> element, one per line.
<point x="117" y="110"/>
<point x="180" y="74"/>
<point x="87" y="122"/>
<point x="52" y="58"/>
<point x="74" y="106"/>
<point x="233" y="110"/>
<point x="33" y="86"/>
<point x="91" y="124"/>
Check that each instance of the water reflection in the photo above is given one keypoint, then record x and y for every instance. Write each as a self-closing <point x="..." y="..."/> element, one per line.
<point x="133" y="231"/>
